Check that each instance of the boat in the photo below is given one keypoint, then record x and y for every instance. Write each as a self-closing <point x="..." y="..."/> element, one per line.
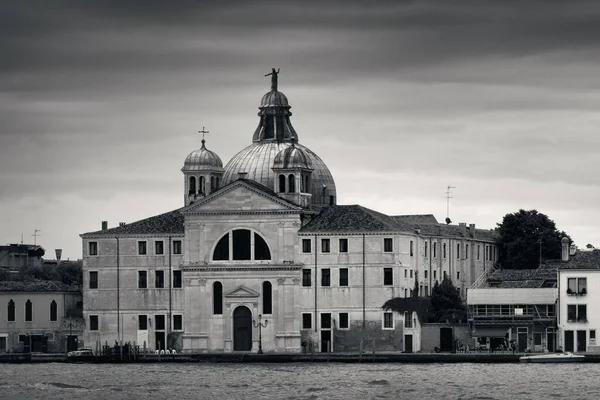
<point x="553" y="358"/>
<point x="81" y="355"/>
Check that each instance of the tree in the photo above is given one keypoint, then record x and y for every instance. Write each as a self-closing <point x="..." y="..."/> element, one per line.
<point x="446" y="303"/>
<point x="519" y="239"/>
<point x="415" y="291"/>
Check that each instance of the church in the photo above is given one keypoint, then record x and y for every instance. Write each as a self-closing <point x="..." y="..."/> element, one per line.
<point x="260" y="258"/>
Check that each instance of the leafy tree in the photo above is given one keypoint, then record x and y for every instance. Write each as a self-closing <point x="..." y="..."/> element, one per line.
<point x="422" y="306"/>
<point x="415" y="291"/>
<point x="519" y="239"/>
<point x="446" y="302"/>
<point x="70" y="272"/>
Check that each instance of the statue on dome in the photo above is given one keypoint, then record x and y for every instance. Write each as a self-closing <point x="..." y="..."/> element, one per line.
<point x="274" y="75"/>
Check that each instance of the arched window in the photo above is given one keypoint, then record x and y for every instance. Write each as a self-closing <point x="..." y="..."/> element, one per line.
<point x="11" y="311"/>
<point x="302" y="190"/>
<point x="28" y="311"/>
<point x="217" y="183"/>
<point x="202" y="185"/>
<point x="192" y="185"/>
<point x="238" y="244"/>
<point x="291" y="183"/>
<point x="267" y="298"/>
<point x="212" y="183"/>
<point x="281" y="183"/>
<point x="53" y="311"/>
<point x="217" y="298"/>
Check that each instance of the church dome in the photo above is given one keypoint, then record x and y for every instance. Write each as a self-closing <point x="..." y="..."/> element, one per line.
<point x="203" y="160"/>
<point x="292" y="157"/>
<point x="274" y="99"/>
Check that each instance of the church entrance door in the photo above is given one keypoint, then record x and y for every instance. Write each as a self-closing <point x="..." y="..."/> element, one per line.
<point x="242" y="329"/>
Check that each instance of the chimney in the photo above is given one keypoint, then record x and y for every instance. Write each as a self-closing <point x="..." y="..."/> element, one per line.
<point x="462" y="224"/>
<point x="58" y="253"/>
<point x="572" y="250"/>
<point x="472" y="230"/>
<point x="565" y="249"/>
<point x="121" y="223"/>
<point x="104" y="225"/>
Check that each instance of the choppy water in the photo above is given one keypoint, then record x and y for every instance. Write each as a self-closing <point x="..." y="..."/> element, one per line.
<point x="299" y="381"/>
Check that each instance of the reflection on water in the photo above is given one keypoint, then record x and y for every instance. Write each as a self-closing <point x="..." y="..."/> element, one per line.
<point x="299" y="381"/>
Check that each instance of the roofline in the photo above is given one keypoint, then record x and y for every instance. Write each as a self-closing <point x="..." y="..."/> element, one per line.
<point x="129" y="235"/>
<point x="42" y="291"/>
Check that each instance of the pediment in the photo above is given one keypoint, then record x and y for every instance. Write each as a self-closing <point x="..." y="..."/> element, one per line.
<point x="240" y="196"/>
<point x="242" y="292"/>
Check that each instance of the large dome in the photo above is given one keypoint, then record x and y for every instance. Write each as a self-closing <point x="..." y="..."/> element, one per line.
<point x="256" y="161"/>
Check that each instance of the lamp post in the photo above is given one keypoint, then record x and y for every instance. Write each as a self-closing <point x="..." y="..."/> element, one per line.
<point x="259" y="325"/>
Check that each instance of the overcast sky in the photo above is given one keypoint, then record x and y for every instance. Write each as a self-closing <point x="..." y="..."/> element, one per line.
<point x="100" y="102"/>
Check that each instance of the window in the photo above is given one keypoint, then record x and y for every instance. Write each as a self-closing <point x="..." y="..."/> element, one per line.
<point x="592" y="335"/>
<point x="576" y="313"/>
<point x="434" y="250"/>
<point x="291" y="183"/>
<point x="405" y="292"/>
<point x="238" y="245"/>
<point x="28" y="311"/>
<point x="192" y="189"/>
<point x="53" y="311"/>
<point x="267" y="297"/>
<point x="221" y="252"/>
<point x="325" y="321"/>
<point x="281" y="183"/>
<point x="411" y="248"/>
<point x="306" y="278"/>
<point x="388" y="246"/>
<point x="343" y="276"/>
<point x="159" y="322"/>
<point x="325" y="277"/>
<point x="324" y="245"/>
<point x="343" y="245"/>
<point x="406" y="272"/>
<point x="458" y="251"/>
<point x="343" y="323"/>
<point x="388" y="320"/>
<point x="445" y="274"/>
<point x="142" y="279"/>
<point x="93" y="279"/>
<point x="457" y="275"/>
<point x="426" y="291"/>
<point x="217" y="298"/>
<point x="93" y="322"/>
<point x="142" y="250"/>
<point x="577" y="286"/>
<point x="411" y="274"/>
<point x="241" y="244"/>
<point x="444" y="250"/>
<point x="159" y="279"/>
<point x="177" y="283"/>
<point x="142" y="322"/>
<point x="478" y="252"/>
<point x="466" y="251"/>
<point x="408" y="323"/>
<point x="425" y="273"/>
<point x="306" y="321"/>
<point x="487" y="253"/>
<point x="93" y="248"/>
<point x="388" y="276"/>
<point x="426" y="248"/>
<point x="434" y="274"/>
<point x="177" y="322"/>
<point x="10" y="315"/>
<point x="176" y="246"/>
<point x="159" y="247"/>
<point x="306" y="246"/>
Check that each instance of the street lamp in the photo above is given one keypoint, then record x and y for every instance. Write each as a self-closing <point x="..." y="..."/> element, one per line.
<point x="259" y="325"/>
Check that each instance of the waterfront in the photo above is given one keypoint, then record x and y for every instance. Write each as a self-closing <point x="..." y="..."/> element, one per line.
<point x="298" y="381"/>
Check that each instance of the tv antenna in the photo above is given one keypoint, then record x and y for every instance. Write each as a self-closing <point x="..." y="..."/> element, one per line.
<point x="448" y="197"/>
<point x="35" y="235"/>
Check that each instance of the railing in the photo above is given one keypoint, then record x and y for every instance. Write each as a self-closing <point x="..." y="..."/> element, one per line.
<point x="480" y="282"/>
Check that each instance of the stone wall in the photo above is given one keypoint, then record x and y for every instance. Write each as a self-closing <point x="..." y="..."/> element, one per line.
<point x="430" y="335"/>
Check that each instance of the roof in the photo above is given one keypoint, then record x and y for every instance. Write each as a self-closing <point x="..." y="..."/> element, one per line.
<point x="543" y="273"/>
<point x="582" y="260"/>
<point x="38" y="286"/>
<point x="353" y="218"/>
<point x="31" y="249"/>
<point x="528" y="284"/>
<point x="170" y="222"/>
<point x="416" y="219"/>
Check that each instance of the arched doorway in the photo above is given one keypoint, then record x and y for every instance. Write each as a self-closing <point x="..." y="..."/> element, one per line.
<point x="242" y="329"/>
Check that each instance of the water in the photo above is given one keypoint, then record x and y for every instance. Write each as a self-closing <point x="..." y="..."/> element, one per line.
<point x="299" y="381"/>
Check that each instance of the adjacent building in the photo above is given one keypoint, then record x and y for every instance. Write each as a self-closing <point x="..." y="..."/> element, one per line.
<point x="14" y="257"/>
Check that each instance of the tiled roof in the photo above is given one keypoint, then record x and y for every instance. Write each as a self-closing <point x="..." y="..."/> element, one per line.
<point x="521" y="284"/>
<point x="455" y="231"/>
<point x="170" y="222"/>
<point x="352" y="218"/>
<point x="37" y="286"/>
<point x="582" y="260"/>
<point x="416" y="219"/>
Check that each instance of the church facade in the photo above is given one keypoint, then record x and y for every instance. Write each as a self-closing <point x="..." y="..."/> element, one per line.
<point x="261" y="258"/>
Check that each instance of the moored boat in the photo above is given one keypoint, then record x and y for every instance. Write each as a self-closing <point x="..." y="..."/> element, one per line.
<point x="553" y="358"/>
<point x="81" y="355"/>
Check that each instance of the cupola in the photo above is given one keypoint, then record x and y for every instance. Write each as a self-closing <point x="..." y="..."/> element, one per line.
<point x="202" y="171"/>
<point x="293" y="169"/>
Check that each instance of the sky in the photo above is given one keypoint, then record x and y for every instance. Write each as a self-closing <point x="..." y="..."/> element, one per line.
<point x="101" y="101"/>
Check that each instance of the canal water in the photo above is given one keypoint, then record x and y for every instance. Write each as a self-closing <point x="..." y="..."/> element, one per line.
<point x="299" y="381"/>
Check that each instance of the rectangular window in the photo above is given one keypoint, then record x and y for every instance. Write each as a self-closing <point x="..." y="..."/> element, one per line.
<point x="411" y="248"/>
<point x="388" y="245"/>
<point x="142" y="279"/>
<point x="344" y="321"/>
<point x="457" y="275"/>
<point x="405" y="272"/>
<point x="592" y="335"/>
<point x="581" y="313"/>
<point x="142" y="250"/>
<point x="325" y="277"/>
<point x="343" y="276"/>
<point x="434" y="274"/>
<point x="426" y="291"/>
<point x="466" y="251"/>
<point x="93" y="322"/>
<point x="159" y="247"/>
<point x="434" y="249"/>
<point x="325" y="246"/>
<point x="306" y="246"/>
<point x="388" y="276"/>
<point x="426" y="243"/>
<point x="177" y="281"/>
<point x="388" y="320"/>
<point x="93" y="248"/>
<point x="444" y="250"/>
<point x="93" y="279"/>
<point x="159" y="279"/>
<point x="411" y="274"/>
<point x="159" y="322"/>
<point x="142" y="322"/>
<point x="325" y="321"/>
<point x="177" y="322"/>
<point x="581" y="286"/>
<point x="408" y="323"/>
<point x="343" y="245"/>
<point x="487" y="253"/>
<point x="571" y="312"/>
<point x="478" y="252"/>
<point x="306" y="278"/>
<point x="176" y="246"/>
<point x="458" y="251"/>
<point x="306" y="321"/>
<point x="425" y="273"/>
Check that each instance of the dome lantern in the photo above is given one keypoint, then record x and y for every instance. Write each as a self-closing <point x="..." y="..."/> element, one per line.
<point x="293" y="169"/>
<point x="203" y="172"/>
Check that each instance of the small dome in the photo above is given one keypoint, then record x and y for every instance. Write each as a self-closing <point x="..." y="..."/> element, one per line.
<point x="565" y="240"/>
<point x="274" y="99"/>
<point x="292" y="157"/>
<point x="202" y="160"/>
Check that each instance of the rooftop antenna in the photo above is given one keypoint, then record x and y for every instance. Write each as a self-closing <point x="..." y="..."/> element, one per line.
<point x="448" y="197"/>
<point x="35" y="235"/>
